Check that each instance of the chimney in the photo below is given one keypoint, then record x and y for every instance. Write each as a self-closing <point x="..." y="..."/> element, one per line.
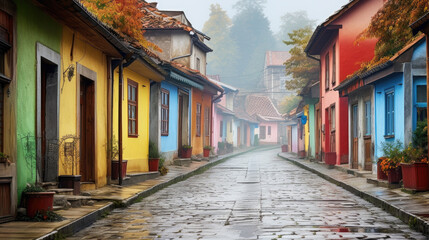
<point x="153" y="4"/>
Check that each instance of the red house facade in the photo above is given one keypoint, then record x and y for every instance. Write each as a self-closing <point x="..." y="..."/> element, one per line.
<point x="334" y="44"/>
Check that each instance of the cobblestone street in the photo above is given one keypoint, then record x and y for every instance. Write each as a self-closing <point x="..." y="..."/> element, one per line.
<point x="253" y="196"/>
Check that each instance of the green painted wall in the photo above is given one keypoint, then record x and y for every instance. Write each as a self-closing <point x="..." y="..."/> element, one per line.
<point x="33" y="26"/>
<point x="312" y="112"/>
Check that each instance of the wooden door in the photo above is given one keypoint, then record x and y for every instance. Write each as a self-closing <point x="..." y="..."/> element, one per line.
<point x="5" y="199"/>
<point x="180" y="131"/>
<point x="318" y="128"/>
<point x="238" y="136"/>
<point x="368" y="153"/>
<point x="87" y="130"/>
<point x="355" y="138"/>
<point x="48" y="159"/>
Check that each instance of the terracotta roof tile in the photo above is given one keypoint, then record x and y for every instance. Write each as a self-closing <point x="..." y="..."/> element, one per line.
<point x="274" y="58"/>
<point x="261" y="106"/>
<point x="155" y="19"/>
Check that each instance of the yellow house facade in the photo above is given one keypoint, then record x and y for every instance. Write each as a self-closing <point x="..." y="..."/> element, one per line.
<point x="306" y="128"/>
<point x="135" y="119"/>
<point x="83" y="109"/>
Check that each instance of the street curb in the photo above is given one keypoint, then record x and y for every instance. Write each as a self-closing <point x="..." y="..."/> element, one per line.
<point x="85" y="221"/>
<point x="412" y="220"/>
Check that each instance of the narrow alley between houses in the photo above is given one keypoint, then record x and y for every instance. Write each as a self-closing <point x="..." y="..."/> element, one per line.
<point x="256" y="195"/>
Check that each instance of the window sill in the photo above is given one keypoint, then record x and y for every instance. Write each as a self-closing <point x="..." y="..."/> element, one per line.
<point x="366" y="137"/>
<point x="389" y="136"/>
<point x="133" y="136"/>
<point x="164" y="134"/>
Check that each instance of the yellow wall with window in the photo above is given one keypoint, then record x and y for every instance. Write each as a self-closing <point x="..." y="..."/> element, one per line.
<point x="81" y="51"/>
<point x="135" y="147"/>
<point x="203" y="139"/>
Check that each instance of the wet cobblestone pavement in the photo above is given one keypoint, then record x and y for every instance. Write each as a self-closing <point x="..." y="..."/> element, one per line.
<point x="253" y="196"/>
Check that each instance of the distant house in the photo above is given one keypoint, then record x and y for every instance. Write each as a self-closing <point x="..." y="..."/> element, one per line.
<point x="244" y="124"/>
<point x="310" y="94"/>
<point x="275" y="75"/>
<point x="186" y="97"/>
<point x="268" y="117"/>
<point x="333" y="42"/>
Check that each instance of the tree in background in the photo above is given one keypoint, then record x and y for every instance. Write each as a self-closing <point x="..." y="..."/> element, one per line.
<point x="299" y="66"/>
<point x="251" y="31"/>
<point x="221" y="61"/>
<point x="288" y="103"/>
<point x="391" y="26"/>
<point x="124" y="16"/>
<point x="290" y="22"/>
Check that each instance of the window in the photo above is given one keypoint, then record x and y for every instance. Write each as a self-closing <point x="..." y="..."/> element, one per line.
<point x="390" y="113"/>
<point x="198" y="120"/>
<point x="6" y="23"/>
<point x="132" y="108"/>
<point x="420" y="103"/>
<point x="206" y="121"/>
<point x="262" y="130"/>
<point x="334" y="70"/>
<point x="198" y="64"/>
<point x="355" y="121"/>
<point x="269" y="130"/>
<point x="221" y="129"/>
<point x="327" y="71"/>
<point x="230" y="127"/>
<point x="165" y="105"/>
<point x="332" y="118"/>
<point x="368" y="118"/>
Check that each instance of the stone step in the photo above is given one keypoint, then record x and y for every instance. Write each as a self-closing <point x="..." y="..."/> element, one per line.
<point x="63" y="191"/>
<point x="186" y="162"/>
<point x="67" y="201"/>
<point x="49" y="185"/>
<point x="134" y="178"/>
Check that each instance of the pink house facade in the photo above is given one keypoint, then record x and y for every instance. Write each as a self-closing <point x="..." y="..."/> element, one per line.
<point x="334" y="44"/>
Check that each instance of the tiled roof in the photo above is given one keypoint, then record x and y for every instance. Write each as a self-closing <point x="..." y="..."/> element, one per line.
<point x="261" y="106"/>
<point x="274" y="58"/>
<point x="197" y="74"/>
<point x="155" y="19"/>
<point x="240" y="112"/>
<point x="224" y="109"/>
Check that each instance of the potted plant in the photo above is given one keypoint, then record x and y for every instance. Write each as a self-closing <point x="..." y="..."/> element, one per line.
<point x="390" y="164"/>
<point x="414" y="164"/>
<point x="4" y="158"/>
<point x="207" y="150"/>
<point x="37" y="200"/>
<point x="186" y="151"/>
<point x="284" y="148"/>
<point x="163" y="170"/>
<point x="113" y="152"/>
<point x="154" y="156"/>
<point x="380" y="174"/>
<point x="69" y="149"/>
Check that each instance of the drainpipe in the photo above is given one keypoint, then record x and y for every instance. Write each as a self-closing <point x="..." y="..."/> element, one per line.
<point x="121" y="65"/>
<point x="191" y="33"/>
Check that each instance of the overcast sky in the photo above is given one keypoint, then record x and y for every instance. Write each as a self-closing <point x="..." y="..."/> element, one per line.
<point x="197" y="11"/>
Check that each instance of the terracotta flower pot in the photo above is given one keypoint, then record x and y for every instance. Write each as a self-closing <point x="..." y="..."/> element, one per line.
<point x="39" y="202"/>
<point x="115" y="169"/>
<point x="415" y="176"/>
<point x="206" y="152"/>
<point x="153" y="164"/>
<point x="394" y="175"/>
<point x="186" y="152"/>
<point x="284" y="148"/>
<point x="330" y="158"/>
<point x="380" y="174"/>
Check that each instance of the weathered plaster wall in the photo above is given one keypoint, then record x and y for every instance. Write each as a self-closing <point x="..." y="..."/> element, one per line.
<point x="169" y="143"/>
<point x="135" y="149"/>
<point x="33" y="26"/>
<point x="272" y="138"/>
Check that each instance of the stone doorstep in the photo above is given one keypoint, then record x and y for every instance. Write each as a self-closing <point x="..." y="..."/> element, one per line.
<point x="134" y="178"/>
<point x="184" y="162"/>
<point x="49" y="185"/>
<point x="67" y="201"/>
<point x="63" y="191"/>
<point x="383" y="183"/>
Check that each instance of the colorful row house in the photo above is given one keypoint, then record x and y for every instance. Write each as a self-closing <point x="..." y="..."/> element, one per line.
<point x="183" y="102"/>
<point x="333" y="45"/>
<point x="311" y="122"/>
<point x="395" y="100"/>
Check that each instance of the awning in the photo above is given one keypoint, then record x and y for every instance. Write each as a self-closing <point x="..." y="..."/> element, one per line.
<point x="186" y="80"/>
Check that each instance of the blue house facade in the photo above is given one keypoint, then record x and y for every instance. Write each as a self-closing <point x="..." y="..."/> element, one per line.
<point x="399" y="95"/>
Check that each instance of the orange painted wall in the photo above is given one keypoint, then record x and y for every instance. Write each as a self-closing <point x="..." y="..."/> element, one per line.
<point x="204" y="99"/>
